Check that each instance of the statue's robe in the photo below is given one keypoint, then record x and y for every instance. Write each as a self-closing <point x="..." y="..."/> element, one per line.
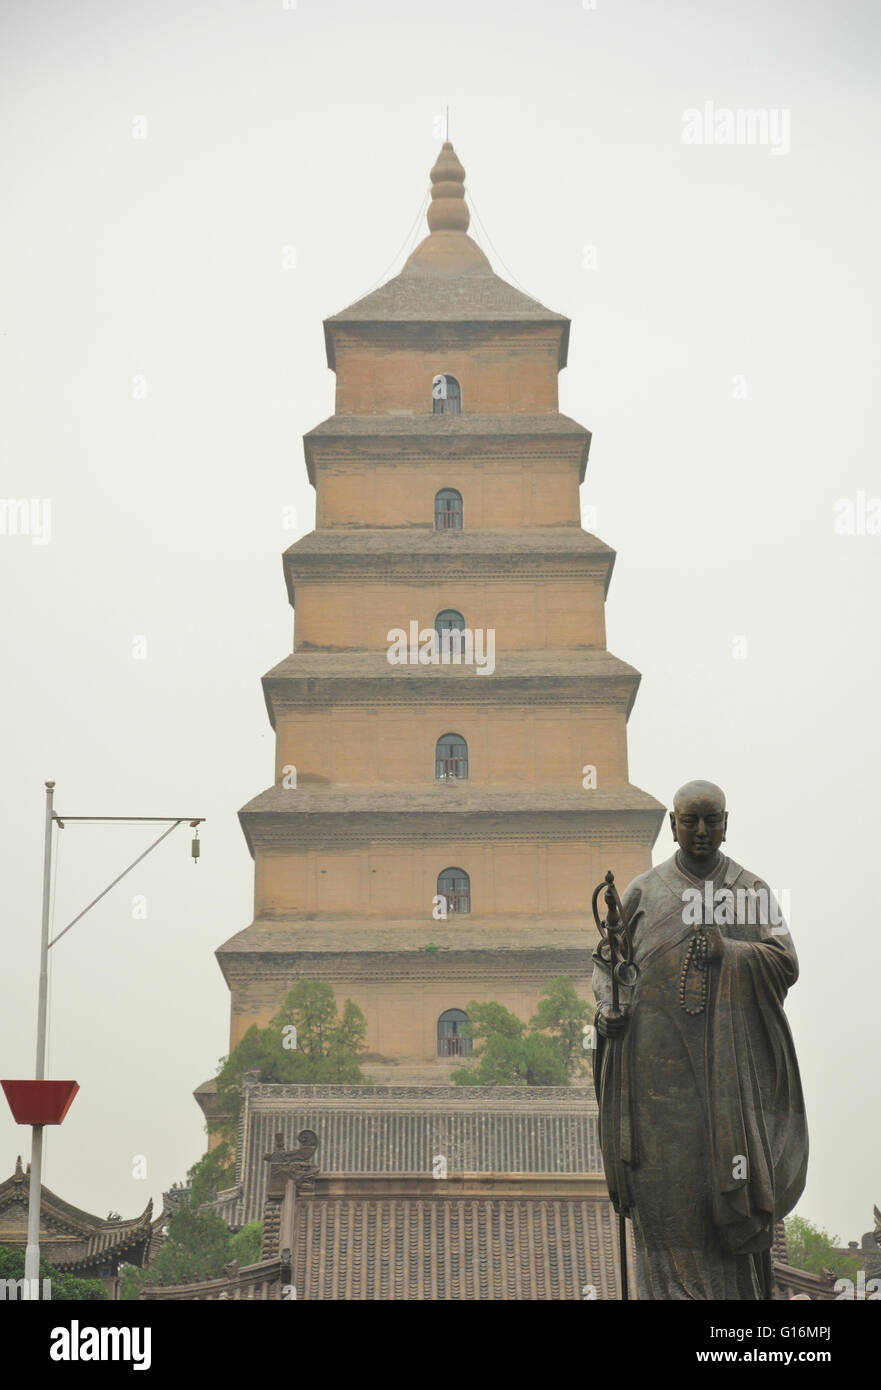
<point x="702" y="1121"/>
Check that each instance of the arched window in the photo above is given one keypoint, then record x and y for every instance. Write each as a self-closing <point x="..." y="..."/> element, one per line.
<point x="451" y="758"/>
<point x="450" y="1042"/>
<point x="455" y="886"/>
<point x="448" y="510"/>
<point x="446" y="395"/>
<point x="449" y="620"/>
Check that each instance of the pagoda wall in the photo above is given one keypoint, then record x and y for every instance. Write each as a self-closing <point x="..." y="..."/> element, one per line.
<point x="524" y="614"/>
<point x="401" y="1013"/>
<point x="501" y="495"/>
<point x="500" y="373"/>
<point x="517" y="745"/>
<point x="392" y="879"/>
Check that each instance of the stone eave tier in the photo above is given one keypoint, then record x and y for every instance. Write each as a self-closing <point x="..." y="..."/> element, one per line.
<point x="577" y="676"/>
<point x="444" y="436"/>
<point x="281" y="818"/>
<point x="362" y="553"/>
<point x="488" y="938"/>
<point x="428" y="299"/>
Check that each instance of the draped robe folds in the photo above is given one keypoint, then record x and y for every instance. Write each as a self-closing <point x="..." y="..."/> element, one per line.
<point x="701" y="1118"/>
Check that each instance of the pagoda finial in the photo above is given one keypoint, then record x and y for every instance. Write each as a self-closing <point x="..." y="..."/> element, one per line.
<point x="447" y="211"/>
<point x="447" y="250"/>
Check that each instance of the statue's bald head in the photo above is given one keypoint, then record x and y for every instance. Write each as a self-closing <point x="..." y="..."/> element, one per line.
<point x="699" y="791"/>
<point x="699" y="819"/>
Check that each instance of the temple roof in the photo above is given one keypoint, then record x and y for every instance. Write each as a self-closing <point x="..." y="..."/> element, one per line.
<point x="70" y="1238"/>
<point x="472" y="1241"/>
<point x="447" y="278"/>
<point x="383" y="1130"/>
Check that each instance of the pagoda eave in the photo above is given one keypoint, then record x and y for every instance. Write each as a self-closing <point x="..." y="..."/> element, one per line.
<point x="415" y="334"/>
<point x="318" y="933"/>
<point x="432" y="437"/>
<point x="422" y="962"/>
<point x="282" y="819"/>
<point x="587" y="677"/>
<point x="419" y="558"/>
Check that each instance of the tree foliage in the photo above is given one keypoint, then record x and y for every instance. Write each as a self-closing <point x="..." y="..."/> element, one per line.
<point x="547" y="1053"/>
<point x="811" y="1247"/>
<point x="64" y="1288"/>
<point x="563" y="1015"/>
<point x="327" y="1044"/>
<point x="307" y="1041"/>
<point x="198" y="1242"/>
<point x="246" y="1245"/>
<point x="327" y="1047"/>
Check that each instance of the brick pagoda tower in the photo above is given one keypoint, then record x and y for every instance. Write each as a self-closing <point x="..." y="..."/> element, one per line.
<point x="496" y="788"/>
<point x="493" y="789"/>
<point x="451" y="782"/>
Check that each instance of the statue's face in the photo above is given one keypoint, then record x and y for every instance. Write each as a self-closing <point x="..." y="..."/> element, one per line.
<point x="698" y="824"/>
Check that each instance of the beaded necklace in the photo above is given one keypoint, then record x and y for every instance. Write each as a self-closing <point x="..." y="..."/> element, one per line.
<point x="695" y="959"/>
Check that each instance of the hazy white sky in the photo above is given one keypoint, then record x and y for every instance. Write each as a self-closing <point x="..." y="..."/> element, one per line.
<point x="724" y="352"/>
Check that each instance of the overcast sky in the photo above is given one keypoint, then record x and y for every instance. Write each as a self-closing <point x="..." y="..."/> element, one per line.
<point x="157" y="160"/>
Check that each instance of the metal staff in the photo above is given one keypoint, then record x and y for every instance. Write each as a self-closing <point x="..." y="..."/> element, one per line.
<point x="616" y="951"/>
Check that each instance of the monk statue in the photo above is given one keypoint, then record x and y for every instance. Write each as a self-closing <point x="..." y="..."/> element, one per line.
<point x="701" y="1115"/>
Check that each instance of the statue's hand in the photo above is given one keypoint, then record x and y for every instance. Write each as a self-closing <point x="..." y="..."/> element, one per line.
<point x="612" y="1024"/>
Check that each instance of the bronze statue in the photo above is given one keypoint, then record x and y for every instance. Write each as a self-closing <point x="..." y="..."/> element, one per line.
<point x="702" y="1121"/>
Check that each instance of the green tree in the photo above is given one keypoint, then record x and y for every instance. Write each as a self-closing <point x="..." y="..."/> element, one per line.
<point x="508" y="1054"/>
<point x="247" y="1244"/>
<point x="198" y="1242"/>
<point x="492" y="1020"/>
<point x="563" y="1015"/>
<point x="327" y="1048"/>
<point x="327" y="1044"/>
<point x="346" y="1043"/>
<point x="195" y="1247"/>
<point x="65" y="1288"/>
<point x="132" y="1277"/>
<point x="811" y="1247"/>
<point x="529" y="1061"/>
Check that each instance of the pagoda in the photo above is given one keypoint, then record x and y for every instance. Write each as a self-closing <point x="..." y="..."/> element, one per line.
<point x="451" y="733"/>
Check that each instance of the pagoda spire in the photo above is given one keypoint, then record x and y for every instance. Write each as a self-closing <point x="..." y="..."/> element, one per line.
<point x="448" y="211"/>
<point x="448" y="248"/>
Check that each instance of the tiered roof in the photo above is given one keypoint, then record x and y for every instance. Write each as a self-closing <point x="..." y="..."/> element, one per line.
<point x="70" y="1238"/>
<point x="447" y="279"/>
